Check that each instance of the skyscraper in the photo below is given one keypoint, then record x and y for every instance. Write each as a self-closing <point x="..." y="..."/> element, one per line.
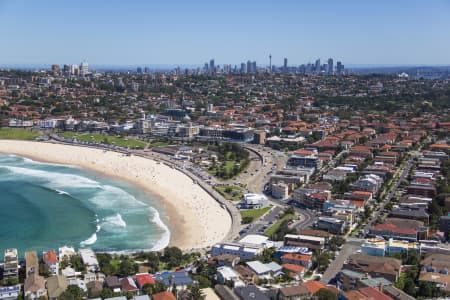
<point x="254" y="67"/>
<point x="339" y="68"/>
<point x="84" y="68"/>
<point x="270" y="63"/>
<point x="243" y="68"/>
<point x="285" y="65"/>
<point x="249" y="66"/>
<point x="330" y="66"/>
<point x="317" y="66"/>
<point x="212" y="68"/>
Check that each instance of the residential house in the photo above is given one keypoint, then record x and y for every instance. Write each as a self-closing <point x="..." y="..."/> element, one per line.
<point x="128" y="285"/>
<point x="180" y="279"/>
<point x="303" y="260"/>
<point x="11" y="264"/>
<point x="296" y="292"/>
<point x="143" y="279"/>
<point x="10" y="292"/>
<point x="113" y="283"/>
<point x="226" y="274"/>
<point x="51" y="262"/>
<point x="31" y="263"/>
<point x="34" y="286"/>
<point x="89" y="259"/>
<point x="250" y="292"/>
<point x="166" y="295"/>
<point x="56" y="285"/>
<point x="375" y="266"/>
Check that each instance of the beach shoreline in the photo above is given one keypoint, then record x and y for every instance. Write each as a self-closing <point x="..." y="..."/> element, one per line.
<point x="194" y="218"/>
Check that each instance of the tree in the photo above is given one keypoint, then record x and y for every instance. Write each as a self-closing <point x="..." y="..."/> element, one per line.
<point x="425" y="289"/>
<point x="410" y="287"/>
<point x="106" y="293"/>
<point x="196" y="293"/>
<point x="127" y="267"/>
<point x="73" y="292"/>
<point x="326" y="294"/>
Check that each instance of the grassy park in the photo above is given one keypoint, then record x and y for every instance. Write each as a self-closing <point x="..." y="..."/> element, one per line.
<point x="105" y="139"/>
<point x="250" y="215"/>
<point x="230" y="192"/>
<point x="18" y="134"/>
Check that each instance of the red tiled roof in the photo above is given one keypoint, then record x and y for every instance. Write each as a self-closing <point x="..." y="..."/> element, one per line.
<point x="164" y="296"/>
<point x="143" y="279"/>
<point x="314" y="286"/>
<point x="50" y="257"/>
<point x="294" y="256"/>
<point x="374" y="293"/>
<point x="393" y="228"/>
<point x="293" y="268"/>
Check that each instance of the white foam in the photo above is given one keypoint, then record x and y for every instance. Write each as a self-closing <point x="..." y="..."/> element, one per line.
<point x="55" y="180"/>
<point x="163" y="242"/>
<point x="113" y="223"/>
<point x="34" y="162"/>
<point x="91" y="240"/>
<point x="62" y="192"/>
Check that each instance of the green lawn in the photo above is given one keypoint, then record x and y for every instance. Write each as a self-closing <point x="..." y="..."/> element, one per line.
<point x="159" y="144"/>
<point x="105" y="139"/>
<point x="230" y="192"/>
<point x="254" y="213"/>
<point x="18" y="134"/>
<point x="272" y="229"/>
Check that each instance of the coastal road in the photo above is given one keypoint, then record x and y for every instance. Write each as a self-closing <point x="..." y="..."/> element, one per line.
<point x="349" y="248"/>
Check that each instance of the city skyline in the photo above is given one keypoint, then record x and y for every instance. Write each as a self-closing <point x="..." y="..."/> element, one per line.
<point x="177" y="33"/>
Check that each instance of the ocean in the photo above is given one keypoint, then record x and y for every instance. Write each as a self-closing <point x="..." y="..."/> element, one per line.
<point x="45" y="206"/>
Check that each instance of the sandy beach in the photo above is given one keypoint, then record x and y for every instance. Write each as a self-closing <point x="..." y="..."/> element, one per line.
<point x="195" y="219"/>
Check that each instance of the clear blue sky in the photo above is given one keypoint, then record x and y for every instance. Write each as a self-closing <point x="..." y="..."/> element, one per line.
<point x="192" y="32"/>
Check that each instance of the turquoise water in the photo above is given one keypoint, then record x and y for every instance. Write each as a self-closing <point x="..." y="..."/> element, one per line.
<point x="45" y="206"/>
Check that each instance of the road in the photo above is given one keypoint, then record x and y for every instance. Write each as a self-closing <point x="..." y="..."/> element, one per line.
<point x="387" y="198"/>
<point x="349" y="248"/>
<point x="257" y="227"/>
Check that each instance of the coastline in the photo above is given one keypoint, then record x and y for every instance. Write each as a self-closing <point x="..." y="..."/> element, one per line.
<point x="195" y="219"/>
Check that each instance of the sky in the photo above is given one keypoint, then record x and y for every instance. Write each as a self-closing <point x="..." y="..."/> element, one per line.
<point x="191" y="32"/>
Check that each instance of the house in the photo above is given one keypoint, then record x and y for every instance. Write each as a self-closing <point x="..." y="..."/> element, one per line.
<point x="293" y="293"/>
<point x="56" y="285"/>
<point x="386" y="267"/>
<point x="34" y="287"/>
<point x="374" y="293"/>
<point x="66" y="252"/>
<point x="180" y="279"/>
<point x="128" y="285"/>
<point x="143" y="279"/>
<point x="389" y="230"/>
<point x="245" y="273"/>
<point x="250" y="292"/>
<point x="89" y="259"/>
<point x="11" y="264"/>
<point x="9" y="292"/>
<point x="79" y="283"/>
<point x="303" y="260"/>
<point x="141" y="297"/>
<point x="243" y="251"/>
<point x="224" y="292"/>
<point x="226" y="260"/>
<point x="31" y="263"/>
<point x="163" y="296"/>
<point x="113" y="283"/>
<point x="226" y="274"/>
<point x="253" y="201"/>
<point x="95" y="287"/>
<point x="312" y="242"/>
<point x="51" y="262"/>
<point x="396" y="293"/>
<point x="295" y="271"/>
<point x="269" y="270"/>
